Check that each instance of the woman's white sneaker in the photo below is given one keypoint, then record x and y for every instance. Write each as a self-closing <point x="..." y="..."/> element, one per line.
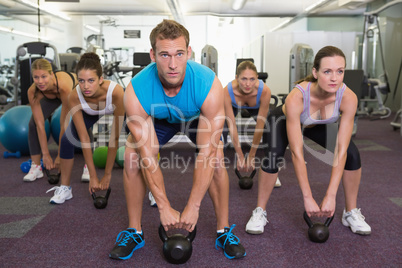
<point x="61" y="194"/>
<point x="85" y="174"/>
<point x="356" y="221"/>
<point x="257" y="221"/>
<point x="278" y="183"/>
<point x="35" y="172"/>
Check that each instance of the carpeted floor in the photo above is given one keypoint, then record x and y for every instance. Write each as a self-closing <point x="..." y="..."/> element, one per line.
<point x="34" y="233"/>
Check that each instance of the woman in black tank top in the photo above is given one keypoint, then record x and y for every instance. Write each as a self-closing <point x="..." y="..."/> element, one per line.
<point x="54" y="88"/>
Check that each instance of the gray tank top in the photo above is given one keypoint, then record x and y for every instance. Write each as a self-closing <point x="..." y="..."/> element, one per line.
<point x="305" y="117"/>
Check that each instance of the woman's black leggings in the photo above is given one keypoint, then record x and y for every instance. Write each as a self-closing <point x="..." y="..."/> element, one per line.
<point x="276" y="141"/>
<point x="48" y="107"/>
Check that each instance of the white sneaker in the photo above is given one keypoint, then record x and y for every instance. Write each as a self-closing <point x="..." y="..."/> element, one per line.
<point x="34" y="173"/>
<point x="152" y="200"/>
<point x="278" y="183"/>
<point x="85" y="174"/>
<point x="257" y="221"/>
<point x="355" y="220"/>
<point x="61" y="194"/>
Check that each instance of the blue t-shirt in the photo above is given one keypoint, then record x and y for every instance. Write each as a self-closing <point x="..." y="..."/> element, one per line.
<point x="183" y="107"/>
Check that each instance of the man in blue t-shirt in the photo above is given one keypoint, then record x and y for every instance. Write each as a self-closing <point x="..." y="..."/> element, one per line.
<point x="174" y="95"/>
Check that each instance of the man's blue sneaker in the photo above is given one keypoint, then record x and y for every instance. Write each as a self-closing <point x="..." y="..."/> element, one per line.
<point x="230" y="244"/>
<point x="127" y="242"/>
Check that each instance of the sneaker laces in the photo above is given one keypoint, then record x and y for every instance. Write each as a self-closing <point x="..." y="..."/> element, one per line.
<point x="57" y="190"/>
<point x="230" y="237"/>
<point x="124" y="237"/>
<point x="357" y="215"/>
<point x="258" y="215"/>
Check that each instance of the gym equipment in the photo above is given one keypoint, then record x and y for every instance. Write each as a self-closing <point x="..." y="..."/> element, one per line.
<point x="68" y="61"/>
<point x="14" y="125"/>
<point x="245" y="182"/>
<point x="100" y="202"/>
<point x="300" y="64"/>
<point x="209" y="58"/>
<point x="8" y="154"/>
<point x="52" y="178"/>
<point x="100" y="156"/>
<point x="26" y="166"/>
<point x="55" y="124"/>
<point x="23" y="64"/>
<point x="120" y="156"/>
<point x="371" y="46"/>
<point x="318" y="232"/>
<point x="140" y="61"/>
<point x="177" y="248"/>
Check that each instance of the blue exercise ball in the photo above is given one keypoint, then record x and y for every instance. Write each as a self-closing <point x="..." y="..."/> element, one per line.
<point x="14" y="128"/>
<point x="55" y="125"/>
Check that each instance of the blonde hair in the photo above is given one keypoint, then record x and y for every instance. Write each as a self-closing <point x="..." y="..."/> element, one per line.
<point x="41" y="64"/>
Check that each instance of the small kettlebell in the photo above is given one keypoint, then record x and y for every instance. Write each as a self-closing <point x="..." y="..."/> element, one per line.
<point x="100" y="202"/>
<point x="318" y="232"/>
<point x="52" y="178"/>
<point x="245" y="182"/>
<point x="177" y="248"/>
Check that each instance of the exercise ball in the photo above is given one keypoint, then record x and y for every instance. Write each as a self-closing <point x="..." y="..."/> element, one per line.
<point x="55" y="125"/>
<point x="14" y="128"/>
<point x="100" y="156"/>
<point x="120" y="156"/>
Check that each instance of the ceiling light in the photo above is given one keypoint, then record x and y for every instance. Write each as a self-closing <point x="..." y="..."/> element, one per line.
<point x="316" y="4"/>
<point x="280" y="25"/>
<point x="176" y="11"/>
<point x="11" y="30"/>
<point x="46" y="10"/>
<point x="238" y="4"/>
<point x="89" y="27"/>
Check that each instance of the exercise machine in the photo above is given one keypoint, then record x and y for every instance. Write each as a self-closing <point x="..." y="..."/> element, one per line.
<point x="26" y="54"/>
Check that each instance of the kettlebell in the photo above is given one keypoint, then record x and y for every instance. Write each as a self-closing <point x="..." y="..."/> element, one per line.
<point x="177" y="248"/>
<point x="245" y="182"/>
<point x="100" y="202"/>
<point x="318" y="232"/>
<point x="51" y="177"/>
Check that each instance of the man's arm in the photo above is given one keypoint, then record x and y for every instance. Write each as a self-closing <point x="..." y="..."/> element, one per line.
<point x="209" y="132"/>
<point x="146" y="145"/>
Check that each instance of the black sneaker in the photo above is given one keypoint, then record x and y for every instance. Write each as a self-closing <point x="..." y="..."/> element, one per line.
<point x="127" y="242"/>
<point x="230" y="244"/>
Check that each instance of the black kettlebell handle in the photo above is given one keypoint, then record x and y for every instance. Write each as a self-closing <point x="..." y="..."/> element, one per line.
<point x="164" y="237"/>
<point x="240" y="176"/>
<point x="52" y="178"/>
<point x="106" y="196"/>
<point x="311" y="224"/>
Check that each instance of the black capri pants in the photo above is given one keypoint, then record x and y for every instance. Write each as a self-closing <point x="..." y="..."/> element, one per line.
<point x="276" y="141"/>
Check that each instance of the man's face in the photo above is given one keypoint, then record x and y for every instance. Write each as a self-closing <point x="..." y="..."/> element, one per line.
<point x="171" y="59"/>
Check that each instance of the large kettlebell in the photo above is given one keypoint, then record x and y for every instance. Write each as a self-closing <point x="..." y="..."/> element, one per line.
<point x="245" y="182"/>
<point x="100" y="202"/>
<point x="52" y="178"/>
<point x="177" y="248"/>
<point x="318" y="232"/>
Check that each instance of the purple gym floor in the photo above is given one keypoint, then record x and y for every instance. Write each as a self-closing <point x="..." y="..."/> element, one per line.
<point x="34" y="233"/>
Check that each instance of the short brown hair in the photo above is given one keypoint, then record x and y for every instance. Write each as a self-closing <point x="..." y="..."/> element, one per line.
<point x="168" y="29"/>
